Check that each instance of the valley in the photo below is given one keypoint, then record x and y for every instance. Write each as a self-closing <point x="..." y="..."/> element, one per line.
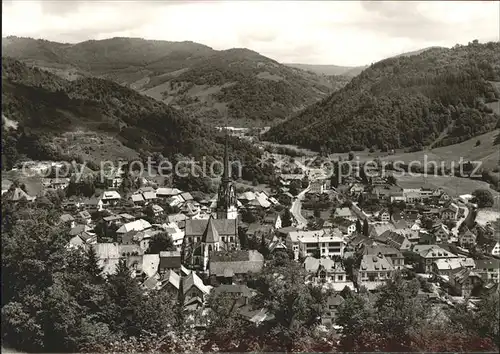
<point x="183" y="176"/>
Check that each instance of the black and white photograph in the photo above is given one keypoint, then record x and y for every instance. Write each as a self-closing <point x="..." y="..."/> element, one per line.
<point x="250" y="176"/>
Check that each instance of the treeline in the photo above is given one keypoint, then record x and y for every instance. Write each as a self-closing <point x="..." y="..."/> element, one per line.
<point x="404" y="102"/>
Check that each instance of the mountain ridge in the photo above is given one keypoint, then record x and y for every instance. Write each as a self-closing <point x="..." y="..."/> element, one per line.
<point x="238" y="84"/>
<point x="404" y="101"/>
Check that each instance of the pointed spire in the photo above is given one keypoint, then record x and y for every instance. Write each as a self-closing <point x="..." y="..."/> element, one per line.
<point x="225" y="175"/>
<point x="210" y="235"/>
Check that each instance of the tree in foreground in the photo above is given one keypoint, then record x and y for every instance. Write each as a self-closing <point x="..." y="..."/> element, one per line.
<point x="161" y="242"/>
<point x="483" y="198"/>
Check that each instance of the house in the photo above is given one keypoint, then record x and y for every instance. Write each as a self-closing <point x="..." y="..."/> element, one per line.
<point x="110" y="198"/>
<point x="494" y="249"/>
<point x="325" y="270"/>
<point x="378" y="228"/>
<point x="398" y="216"/>
<point x="113" y="220"/>
<point x="94" y="204"/>
<point x="317" y="187"/>
<point x="193" y="287"/>
<point x="444" y="199"/>
<point x="137" y="199"/>
<point x="68" y="219"/>
<point x="227" y="266"/>
<point x="345" y="213"/>
<point x="274" y="220"/>
<point x="328" y="245"/>
<point x="150" y="263"/>
<point x="81" y="236"/>
<point x="488" y="270"/>
<point x="375" y="268"/>
<point x="386" y="192"/>
<point x="256" y="230"/>
<point x="109" y="254"/>
<point x="173" y="230"/>
<point x="6" y="184"/>
<point x="465" y="198"/>
<point x="55" y="183"/>
<point x="167" y="192"/>
<point x="78" y="229"/>
<point x="157" y="210"/>
<point x="169" y="260"/>
<point x="284" y="178"/>
<point x="137" y="225"/>
<point x="441" y="232"/>
<point x="179" y="219"/>
<point x="410" y="233"/>
<point x="141" y="238"/>
<point x="384" y="215"/>
<point x="293" y="235"/>
<point x="170" y="281"/>
<point x="412" y="195"/>
<point x="451" y="266"/>
<point x="356" y="189"/>
<point x="259" y="202"/>
<point x="187" y="196"/>
<point x="357" y="241"/>
<point x="397" y="240"/>
<point x="346" y="226"/>
<point x="467" y="239"/>
<point x="113" y="177"/>
<point x="84" y="217"/>
<point x="448" y="214"/>
<point x="246" y="197"/>
<point x="330" y="309"/>
<point x="235" y="292"/>
<point x="428" y="254"/>
<point x="276" y="244"/>
<point x="390" y="253"/>
<point x="464" y="282"/>
<point x="71" y="205"/>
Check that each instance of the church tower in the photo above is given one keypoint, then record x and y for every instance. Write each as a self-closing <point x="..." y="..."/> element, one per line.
<point x="209" y="242"/>
<point x="226" y="198"/>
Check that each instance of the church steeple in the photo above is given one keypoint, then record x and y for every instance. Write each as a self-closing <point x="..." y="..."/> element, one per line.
<point x="225" y="174"/>
<point x="226" y="198"/>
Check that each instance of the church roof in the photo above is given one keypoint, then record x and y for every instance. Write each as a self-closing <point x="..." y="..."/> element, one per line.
<point x="211" y="235"/>
<point x="224" y="227"/>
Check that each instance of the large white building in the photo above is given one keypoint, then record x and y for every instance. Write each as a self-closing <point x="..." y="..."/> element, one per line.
<point x="326" y="245"/>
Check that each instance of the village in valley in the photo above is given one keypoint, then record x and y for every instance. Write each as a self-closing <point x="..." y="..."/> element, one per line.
<point x="351" y="233"/>
<point x="250" y="177"/>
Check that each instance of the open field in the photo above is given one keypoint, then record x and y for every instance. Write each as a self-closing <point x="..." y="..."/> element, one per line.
<point x="452" y="185"/>
<point x="487" y="215"/>
<point x="487" y="153"/>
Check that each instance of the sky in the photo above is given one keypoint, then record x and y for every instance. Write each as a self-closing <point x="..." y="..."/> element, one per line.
<point x="347" y="33"/>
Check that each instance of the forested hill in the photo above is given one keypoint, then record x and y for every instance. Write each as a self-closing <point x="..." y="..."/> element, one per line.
<point x="95" y="119"/>
<point x="404" y="102"/>
<point x="237" y="84"/>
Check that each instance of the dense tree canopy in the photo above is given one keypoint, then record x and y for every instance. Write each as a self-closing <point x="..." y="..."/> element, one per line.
<point x="404" y="102"/>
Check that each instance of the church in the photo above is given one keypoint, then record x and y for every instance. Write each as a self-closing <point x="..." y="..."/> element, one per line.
<point x="220" y="231"/>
